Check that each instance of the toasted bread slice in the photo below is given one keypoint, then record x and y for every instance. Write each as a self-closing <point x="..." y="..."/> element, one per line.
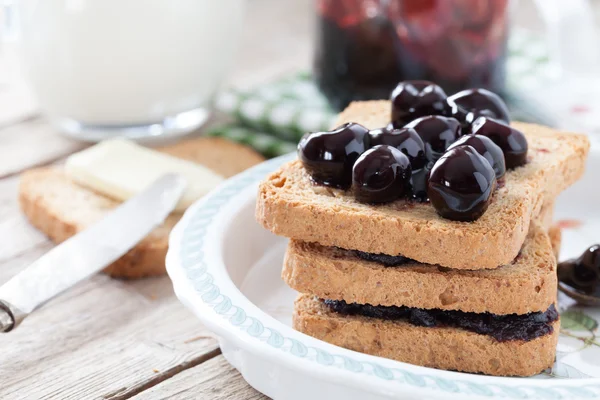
<point x="289" y="204"/>
<point x="555" y="238"/>
<point x="60" y="208"/>
<point x="526" y="285"/>
<point x="546" y="216"/>
<point x="436" y="347"/>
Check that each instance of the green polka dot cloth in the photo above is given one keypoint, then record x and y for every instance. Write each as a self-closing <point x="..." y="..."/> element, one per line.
<point x="272" y="118"/>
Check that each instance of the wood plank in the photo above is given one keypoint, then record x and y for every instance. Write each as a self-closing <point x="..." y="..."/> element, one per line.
<point x="214" y="379"/>
<point x="104" y="336"/>
<point x="32" y="143"/>
<point x="102" y="339"/>
<point x="18" y="236"/>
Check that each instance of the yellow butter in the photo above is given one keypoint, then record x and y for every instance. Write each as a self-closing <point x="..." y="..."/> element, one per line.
<point x="120" y="169"/>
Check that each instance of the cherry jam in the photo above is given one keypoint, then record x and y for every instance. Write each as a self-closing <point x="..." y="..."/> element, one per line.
<point x="365" y="47"/>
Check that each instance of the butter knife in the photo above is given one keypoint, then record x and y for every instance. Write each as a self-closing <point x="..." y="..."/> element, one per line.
<point x="89" y="251"/>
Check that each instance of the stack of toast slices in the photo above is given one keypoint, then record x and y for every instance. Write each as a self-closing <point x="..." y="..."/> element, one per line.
<point x="398" y="281"/>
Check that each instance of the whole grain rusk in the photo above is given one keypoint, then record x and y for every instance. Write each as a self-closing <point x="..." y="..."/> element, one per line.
<point x="290" y="205"/>
<point x="526" y="285"/>
<point x="435" y="347"/>
<point x="546" y="216"/>
<point x="60" y="208"/>
<point x="555" y="238"/>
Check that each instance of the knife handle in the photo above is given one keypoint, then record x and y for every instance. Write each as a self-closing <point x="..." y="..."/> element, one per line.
<point x="10" y="316"/>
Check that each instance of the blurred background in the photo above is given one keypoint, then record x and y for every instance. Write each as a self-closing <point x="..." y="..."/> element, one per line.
<point x="264" y="72"/>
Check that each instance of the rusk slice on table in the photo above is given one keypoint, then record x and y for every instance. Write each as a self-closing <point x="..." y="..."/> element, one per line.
<point x="528" y="284"/>
<point x="289" y="204"/>
<point x="436" y="347"/>
<point x="60" y="208"/>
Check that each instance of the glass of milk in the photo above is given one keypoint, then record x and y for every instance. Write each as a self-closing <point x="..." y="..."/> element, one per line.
<point x="132" y="68"/>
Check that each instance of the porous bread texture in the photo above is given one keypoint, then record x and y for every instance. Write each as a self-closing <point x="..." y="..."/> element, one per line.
<point x="526" y="285"/>
<point x="546" y="216"/>
<point x="555" y="238"/>
<point x="289" y="204"/>
<point x="60" y="208"/>
<point x="435" y="347"/>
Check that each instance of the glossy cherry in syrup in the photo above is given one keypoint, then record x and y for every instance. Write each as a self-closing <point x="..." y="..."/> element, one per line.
<point x="329" y="156"/>
<point x="582" y="273"/>
<point x="512" y="141"/>
<point x="487" y="148"/>
<point x="406" y="140"/>
<point x="419" y="182"/>
<point x="437" y="132"/>
<point x="468" y="105"/>
<point x="380" y="175"/>
<point x="461" y="184"/>
<point x="414" y="99"/>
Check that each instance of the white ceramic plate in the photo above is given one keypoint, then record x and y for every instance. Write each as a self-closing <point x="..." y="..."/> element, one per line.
<point x="226" y="269"/>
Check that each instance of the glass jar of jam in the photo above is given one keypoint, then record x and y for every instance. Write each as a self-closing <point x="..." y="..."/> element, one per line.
<point x="365" y="47"/>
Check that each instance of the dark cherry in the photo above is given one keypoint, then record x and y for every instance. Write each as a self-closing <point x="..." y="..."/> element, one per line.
<point x="470" y="104"/>
<point x="329" y="156"/>
<point x="583" y="273"/>
<point x="380" y="175"/>
<point x="406" y="140"/>
<point x="512" y="142"/>
<point x="487" y="148"/>
<point x="437" y="132"/>
<point x="419" y="182"/>
<point x="414" y="99"/>
<point x="461" y="184"/>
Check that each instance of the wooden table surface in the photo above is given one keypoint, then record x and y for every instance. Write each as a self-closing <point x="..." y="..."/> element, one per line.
<point x="106" y="338"/>
<point x="112" y="339"/>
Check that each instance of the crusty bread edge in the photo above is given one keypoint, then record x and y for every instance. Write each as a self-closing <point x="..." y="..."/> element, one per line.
<point x="145" y="259"/>
<point x="304" y="222"/>
<point x="555" y="234"/>
<point x="313" y="270"/>
<point x="295" y="219"/>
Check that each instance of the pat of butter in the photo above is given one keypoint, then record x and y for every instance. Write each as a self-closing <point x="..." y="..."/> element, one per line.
<point x="120" y="169"/>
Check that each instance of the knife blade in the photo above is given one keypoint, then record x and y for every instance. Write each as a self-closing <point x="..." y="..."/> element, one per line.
<point x="89" y="251"/>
